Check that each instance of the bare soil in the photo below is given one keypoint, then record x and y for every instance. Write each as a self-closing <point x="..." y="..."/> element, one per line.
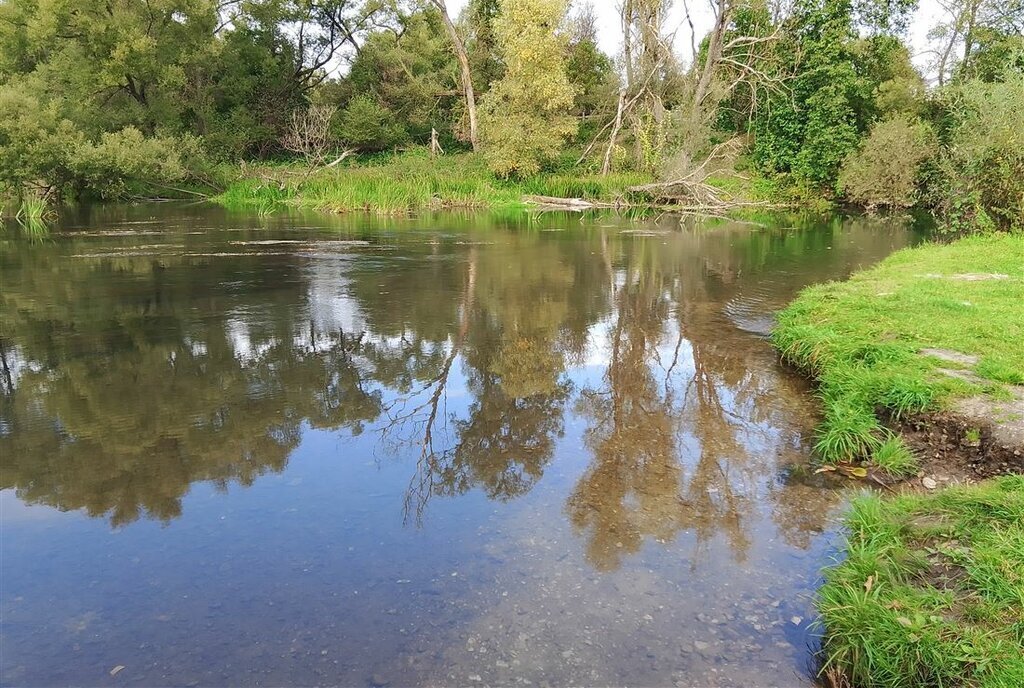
<point x="954" y="447"/>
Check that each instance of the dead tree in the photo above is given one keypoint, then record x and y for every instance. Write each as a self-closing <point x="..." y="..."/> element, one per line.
<point x="309" y="134"/>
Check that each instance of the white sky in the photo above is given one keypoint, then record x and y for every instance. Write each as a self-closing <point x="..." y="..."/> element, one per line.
<point x="610" y="34"/>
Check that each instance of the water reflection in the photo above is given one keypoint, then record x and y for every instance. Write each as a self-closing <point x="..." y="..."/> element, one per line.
<point x="132" y="371"/>
<point x="346" y="451"/>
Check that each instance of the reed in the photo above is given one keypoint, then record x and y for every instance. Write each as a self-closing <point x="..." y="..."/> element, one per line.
<point x="415" y="182"/>
<point x="32" y="216"/>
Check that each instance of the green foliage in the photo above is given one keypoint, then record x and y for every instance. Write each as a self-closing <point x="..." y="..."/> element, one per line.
<point x="979" y="183"/>
<point x="83" y="83"/>
<point x="481" y="44"/>
<point x="403" y="74"/>
<point x="120" y="160"/>
<point x="589" y="70"/>
<point x="241" y="99"/>
<point x="885" y="171"/>
<point x="35" y="142"/>
<point x="44" y="155"/>
<point x="524" y="118"/>
<point x="860" y="339"/>
<point x="414" y="181"/>
<point x="840" y="85"/>
<point x="368" y="125"/>
<point x="930" y="590"/>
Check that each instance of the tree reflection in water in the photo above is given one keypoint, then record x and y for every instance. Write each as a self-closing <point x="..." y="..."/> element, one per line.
<point x="130" y="377"/>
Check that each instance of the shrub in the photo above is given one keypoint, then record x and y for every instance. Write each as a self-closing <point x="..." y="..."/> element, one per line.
<point x="125" y="158"/>
<point x="35" y="143"/>
<point x="885" y="170"/>
<point x="368" y="125"/>
<point x="979" y="183"/>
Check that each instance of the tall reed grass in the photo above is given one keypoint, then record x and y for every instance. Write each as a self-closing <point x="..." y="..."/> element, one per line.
<point x="414" y="182"/>
<point x="32" y="215"/>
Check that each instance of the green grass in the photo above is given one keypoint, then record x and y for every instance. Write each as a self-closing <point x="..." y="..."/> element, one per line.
<point x="31" y="216"/>
<point x="412" y="182"/>
<point x="860" y="339"/>
<point x="931" y="592"/>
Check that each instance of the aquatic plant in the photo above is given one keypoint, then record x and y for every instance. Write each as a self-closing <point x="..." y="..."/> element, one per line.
<point x="31" y="216"/>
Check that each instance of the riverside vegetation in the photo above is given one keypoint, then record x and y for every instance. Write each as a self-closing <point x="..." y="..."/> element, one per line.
<point x="807" y="103"/>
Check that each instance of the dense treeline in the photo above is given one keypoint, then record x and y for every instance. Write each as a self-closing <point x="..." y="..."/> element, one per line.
<point x="818" y="97"/>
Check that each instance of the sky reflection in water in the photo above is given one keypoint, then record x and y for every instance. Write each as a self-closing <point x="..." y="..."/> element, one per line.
<point x="307" y="450"/>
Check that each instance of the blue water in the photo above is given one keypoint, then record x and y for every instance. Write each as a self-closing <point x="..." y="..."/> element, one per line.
<point x="302" y="450"/>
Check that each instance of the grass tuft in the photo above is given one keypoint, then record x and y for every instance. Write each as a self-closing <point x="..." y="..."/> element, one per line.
<point x="31" y="216"/>
<point x="894" y="457"/>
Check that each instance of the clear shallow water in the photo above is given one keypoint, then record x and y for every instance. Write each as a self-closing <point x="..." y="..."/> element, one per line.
<point x="462" y="450"/>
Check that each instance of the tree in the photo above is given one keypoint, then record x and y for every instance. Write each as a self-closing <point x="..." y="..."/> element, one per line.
<point x="967" y="29"/>
<point x="810" y="130"/>
<point x="127" y="61"/>
<point x="464" y="73"/>
<point x="980" y="180"/>
<point x="407" y="77"/>
<point x="309" y="134"/>
<point x="525" y="116"/>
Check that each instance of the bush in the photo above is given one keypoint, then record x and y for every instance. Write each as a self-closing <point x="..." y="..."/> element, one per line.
<point x="45" y="155"/>
<point x="125" y="158"/>
<point x="368" y="125"/>
<point x="35" y="143"/>
<point x="979" y="183"/>
<point x="885" y="170"/>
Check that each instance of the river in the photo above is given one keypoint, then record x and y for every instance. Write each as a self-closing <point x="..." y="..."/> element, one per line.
<point x="291" y="449"/>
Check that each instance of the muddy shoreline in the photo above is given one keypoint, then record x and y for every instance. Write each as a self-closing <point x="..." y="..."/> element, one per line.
<point x="952" y="448"/>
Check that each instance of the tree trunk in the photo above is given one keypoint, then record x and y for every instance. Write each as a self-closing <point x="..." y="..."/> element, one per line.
<point x="606" y="167"/>
<point x="466" y="75"/>
<point x="714" y="53"/>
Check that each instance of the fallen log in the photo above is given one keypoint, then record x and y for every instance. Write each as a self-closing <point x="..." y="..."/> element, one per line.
<point x="558" y="203"/>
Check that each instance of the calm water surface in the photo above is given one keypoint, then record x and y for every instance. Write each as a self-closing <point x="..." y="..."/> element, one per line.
<point x="449" y="450"/>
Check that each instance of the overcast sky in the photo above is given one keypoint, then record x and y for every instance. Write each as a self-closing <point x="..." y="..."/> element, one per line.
<point x="610" y="34"/>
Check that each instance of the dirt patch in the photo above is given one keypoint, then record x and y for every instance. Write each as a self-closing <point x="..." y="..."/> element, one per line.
<point x="979" y="437"/>
<point x="979" y="276"/>
<point x="951" y="356"/>
<point x="969" y="276"/>
<point x="956" y="448"/>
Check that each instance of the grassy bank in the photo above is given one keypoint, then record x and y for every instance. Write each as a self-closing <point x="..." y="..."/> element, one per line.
<point x="412" y="182"/>
<point x="862" y="340"/>
<point x="931" y="592"/>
